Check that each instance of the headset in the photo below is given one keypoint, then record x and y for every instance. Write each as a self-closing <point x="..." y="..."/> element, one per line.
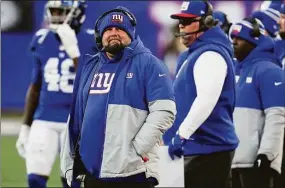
<point x="98" y="38"/>
<point x="208" y="20"/>
<point x="255" y="32"/>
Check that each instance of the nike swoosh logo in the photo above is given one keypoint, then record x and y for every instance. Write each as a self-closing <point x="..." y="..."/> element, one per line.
<point x="277" y="83"/>
<point x="160" y="75"/>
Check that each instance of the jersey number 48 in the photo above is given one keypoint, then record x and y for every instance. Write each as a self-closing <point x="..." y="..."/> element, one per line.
<point x="59" y="78"/>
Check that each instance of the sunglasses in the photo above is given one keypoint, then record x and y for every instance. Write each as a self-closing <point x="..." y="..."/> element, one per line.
<point x="188" y="21"/>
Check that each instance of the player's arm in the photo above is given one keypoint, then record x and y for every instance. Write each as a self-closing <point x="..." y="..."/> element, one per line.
<point x="69" y="40"/>
<point x="31" y="103"/>
<point x="75" y="62"/>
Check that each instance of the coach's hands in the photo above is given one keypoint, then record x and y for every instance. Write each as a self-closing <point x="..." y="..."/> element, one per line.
<point x="175" y="147"/>
<point x="22" y="140"/>
<point x="262" y="163"/>
<point x="69" y="40"/>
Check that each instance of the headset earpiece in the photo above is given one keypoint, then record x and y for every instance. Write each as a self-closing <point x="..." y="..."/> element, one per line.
<point x="208" y="21"/>
<point x="98" y="38"/>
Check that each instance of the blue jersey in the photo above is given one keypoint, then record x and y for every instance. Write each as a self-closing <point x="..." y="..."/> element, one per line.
<point x="55" y="72"/>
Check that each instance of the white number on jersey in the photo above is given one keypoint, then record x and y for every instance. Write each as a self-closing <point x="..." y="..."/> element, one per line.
<point x="58" y="81"/>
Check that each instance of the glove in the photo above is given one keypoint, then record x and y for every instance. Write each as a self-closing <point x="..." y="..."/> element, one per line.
<point x="22" y="140"/>
<point x="175" y="147"/>
<point x="69" y="40"/>
<point x="262" y="163"/>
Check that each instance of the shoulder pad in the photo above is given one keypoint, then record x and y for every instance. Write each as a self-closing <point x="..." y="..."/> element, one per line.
<point x="38" y="38"/>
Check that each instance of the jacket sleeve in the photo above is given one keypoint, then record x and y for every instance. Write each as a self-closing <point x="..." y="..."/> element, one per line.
<point x="66" y="158"/>
<point x="272" y="92"/>
<point x="161" y="104"/>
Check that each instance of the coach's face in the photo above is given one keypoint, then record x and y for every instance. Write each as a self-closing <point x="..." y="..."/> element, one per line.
<point x="282" y="25"/>
<point x="115" y="39"/>
<point x="242" y="48"/>
<point x="189" y="26"/>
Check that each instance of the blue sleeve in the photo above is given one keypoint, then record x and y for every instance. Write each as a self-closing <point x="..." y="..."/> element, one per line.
<point x="272" y="88"/>
<point x="33" y="55"/>
<point x="158" y="81"/>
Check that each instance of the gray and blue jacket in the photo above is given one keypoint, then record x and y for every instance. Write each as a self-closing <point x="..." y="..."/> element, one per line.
<point x="259" y="115"/>
<point x="138" y="108"/>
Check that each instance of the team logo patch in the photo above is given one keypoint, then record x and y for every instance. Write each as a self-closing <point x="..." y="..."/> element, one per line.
<point x="248" y="80"/>
<point x="237" y="78"/>
<point x="185" y="5"/>
<point x="101" y="83"/>
<point x="130" y="75"/>
<point x="236" y="29"/>
<point x="117" y="18"/>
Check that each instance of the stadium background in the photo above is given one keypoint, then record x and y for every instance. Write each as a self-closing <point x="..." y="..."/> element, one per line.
<point x="21" y="19"/>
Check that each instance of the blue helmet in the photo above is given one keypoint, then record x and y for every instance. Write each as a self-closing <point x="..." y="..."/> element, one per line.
<point x="71" y="12"/>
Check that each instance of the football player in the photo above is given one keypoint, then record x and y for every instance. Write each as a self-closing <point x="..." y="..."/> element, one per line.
<point x="55" y="51"/>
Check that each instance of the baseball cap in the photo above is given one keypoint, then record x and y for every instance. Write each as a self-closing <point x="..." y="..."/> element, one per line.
<point x="191" y="9"/>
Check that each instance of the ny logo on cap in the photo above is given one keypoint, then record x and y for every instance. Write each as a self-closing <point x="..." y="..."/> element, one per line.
<point x="117" y="18"/>
<point x="236" y="29"/>
<point x="185" y="5"/>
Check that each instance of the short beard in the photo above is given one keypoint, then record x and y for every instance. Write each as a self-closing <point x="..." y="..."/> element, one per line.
<point x="115" y="48"/>
<point x="282" y="35"/>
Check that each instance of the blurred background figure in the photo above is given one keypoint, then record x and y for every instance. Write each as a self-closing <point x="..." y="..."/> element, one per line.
<point x="269" y="19"/>
<point x="280" y="53"/>
<point x="280" y="41"/>
<point x="55" y="52"/>
<point x="260" y="107"/>
<point x="223" y="21"/>
<point x="275" y="4"/>
<point x="269" y="15"/>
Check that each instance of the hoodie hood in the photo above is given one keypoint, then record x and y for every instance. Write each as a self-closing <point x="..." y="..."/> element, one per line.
<point x="214" y="35"/>
<point x="263" y="51"/>
<point x="135" y="47"/>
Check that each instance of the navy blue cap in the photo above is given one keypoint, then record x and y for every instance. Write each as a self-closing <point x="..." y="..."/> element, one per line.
<point x="119" y="20"/>
<point x="243" y="30"/>
<point x="269" y="19"/>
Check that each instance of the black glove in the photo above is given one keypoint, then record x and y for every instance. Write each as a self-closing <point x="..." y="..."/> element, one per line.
<point x="262" y="163"/>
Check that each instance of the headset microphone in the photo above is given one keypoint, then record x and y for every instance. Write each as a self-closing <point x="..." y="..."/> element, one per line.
<point x="182" y="34"/>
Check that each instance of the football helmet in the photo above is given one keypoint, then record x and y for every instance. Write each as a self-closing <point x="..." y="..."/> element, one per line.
<point x="58" y="12"/>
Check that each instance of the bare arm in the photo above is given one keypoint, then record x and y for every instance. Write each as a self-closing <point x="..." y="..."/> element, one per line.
<point x="75" y="63"/>
<point x="31" y="103"/>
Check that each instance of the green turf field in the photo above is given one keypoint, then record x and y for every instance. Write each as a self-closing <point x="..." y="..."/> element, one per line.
<point x="13" y="166"/>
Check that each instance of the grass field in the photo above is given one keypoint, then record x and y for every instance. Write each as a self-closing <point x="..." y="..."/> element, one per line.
<point x="13" y="170"/>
